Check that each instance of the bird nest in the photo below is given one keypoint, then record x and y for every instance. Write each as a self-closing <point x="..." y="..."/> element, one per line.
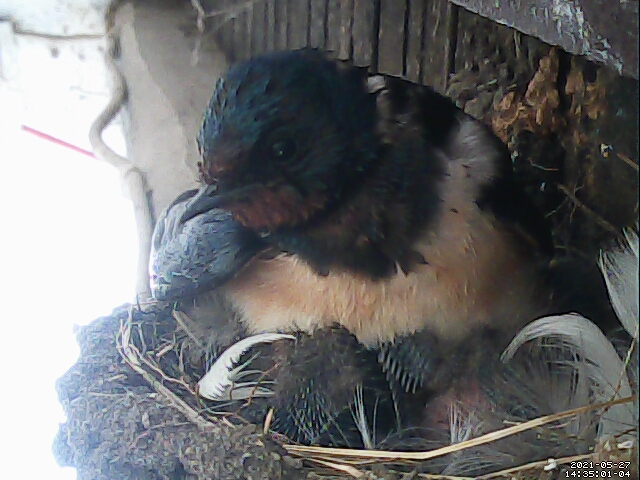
<point x="131" y="401"/>
<point x="133" y="412"/>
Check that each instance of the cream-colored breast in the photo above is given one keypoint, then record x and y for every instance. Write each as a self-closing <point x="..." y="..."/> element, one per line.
<point x="473" y="277"/>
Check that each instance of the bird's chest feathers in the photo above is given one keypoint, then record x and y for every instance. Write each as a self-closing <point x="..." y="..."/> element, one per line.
<point x="471" y="277"/>
<point x="474" y="275"/>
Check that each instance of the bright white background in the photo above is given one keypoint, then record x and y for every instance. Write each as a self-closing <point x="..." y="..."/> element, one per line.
<point x="67" y="236"/>
<point x="68" y="255"/>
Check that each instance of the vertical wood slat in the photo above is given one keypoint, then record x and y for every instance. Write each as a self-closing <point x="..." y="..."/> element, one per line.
<point x="246" y="16"/>
<point x="228" y="30"/>
<point x="414" y="39"/>
<point x="281" y="24"/>
<point x="474" y="38"/>
<point x="344" y="33"/>
<point x="333" y="26"/>
<point x="391" y="37"/>
<point x="298" y="14"/>
<point x="258" y="28"/>
<point x="270" y="25"/>
<point x="224" y="33"/>
<point x="437" y="50"/>
<point x="317" y="24"/>
<point x="362" y="32"/>
<point x="348" y="28"/>
<point x="239" y="37"/>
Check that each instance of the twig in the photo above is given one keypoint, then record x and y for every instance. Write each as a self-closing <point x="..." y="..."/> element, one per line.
<point x="232" y="11"/>
<point x="594" y="216"/>
<point x="154" y="427"/>
<point x="267" y="422"/>
<point x="183" y="320"/>
<point x="435" y="476"/>
<point x="627" y="359"/>
<point x="627" y="160"/>
<point x="132" y="358"/>
<point x="201" y="14"/>
<point x="348" y="469"/>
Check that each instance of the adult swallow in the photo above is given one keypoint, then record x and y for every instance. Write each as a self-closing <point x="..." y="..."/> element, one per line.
<point x="392" y="211"/>
<point x="384" y="208"/>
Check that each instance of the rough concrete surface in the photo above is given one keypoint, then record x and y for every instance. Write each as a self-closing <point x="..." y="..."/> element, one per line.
<point x="168" y="91"/>
<point x="605" y="31"/>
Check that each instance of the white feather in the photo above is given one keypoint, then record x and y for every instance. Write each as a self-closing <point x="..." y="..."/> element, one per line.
<point x="464" y="423"/>
<point x="218" y="382"/>
<point x="360" y="419"/>
<point x="594" y="358"/>
<point x="620" y="270"/>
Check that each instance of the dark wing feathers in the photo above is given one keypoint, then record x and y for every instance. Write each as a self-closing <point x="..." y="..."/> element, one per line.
<point x="403" y="105"/>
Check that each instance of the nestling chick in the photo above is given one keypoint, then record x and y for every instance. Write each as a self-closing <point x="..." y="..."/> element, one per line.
<point x="295" y="378"/>
<point x="552" y="365"/>
<point x="201" y="253"/>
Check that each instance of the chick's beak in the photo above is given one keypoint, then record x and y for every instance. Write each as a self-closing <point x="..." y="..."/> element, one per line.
<point x="203" y="201"/>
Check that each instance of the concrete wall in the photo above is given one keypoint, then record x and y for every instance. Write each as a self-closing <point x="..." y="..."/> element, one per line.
<point x="53" y="74"/>
<point x="169" y="89"/>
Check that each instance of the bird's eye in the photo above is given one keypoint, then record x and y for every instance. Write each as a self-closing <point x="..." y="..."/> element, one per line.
<point x="284" y="149"/>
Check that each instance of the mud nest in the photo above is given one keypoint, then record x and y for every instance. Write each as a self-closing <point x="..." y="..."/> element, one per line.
<point x="132" y="411"/>
<point x="133" y="414"/>
<point x="570" y="125"/>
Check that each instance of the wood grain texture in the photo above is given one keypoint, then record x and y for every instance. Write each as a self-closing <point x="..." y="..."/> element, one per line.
<point x="317" y="23"/>
<point x="415" y="32"/>
<point x="240" y="43"/>
<point x="333" y="25"/>
<point x="440" y="27"/>
<point x="247" y="15"/>
<point x="391" y="37"/>
<point x="281" y="24"/>
<point x="298" y="14"/>
<point x="344" y="34"/>
<point x="258" y="28"/>
<point x="270" y="25"/>
<point x="362" y="32"/>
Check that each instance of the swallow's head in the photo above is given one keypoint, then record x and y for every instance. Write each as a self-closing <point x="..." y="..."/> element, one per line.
<point x="283" y="137"/>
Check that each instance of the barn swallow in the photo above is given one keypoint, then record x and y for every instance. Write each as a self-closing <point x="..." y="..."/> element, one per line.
<point x="392" y="213"/>
<point x="383" y="209"/>
<point x="469" y="390"/>
<point x="325" y="389"/>
<point x="552" y="365"/>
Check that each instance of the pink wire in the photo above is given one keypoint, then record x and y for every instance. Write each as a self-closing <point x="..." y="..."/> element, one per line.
<point x="57" y="141"/>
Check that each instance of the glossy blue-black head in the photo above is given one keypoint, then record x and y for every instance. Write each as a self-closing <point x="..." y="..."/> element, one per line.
<point x="283" y="136"/>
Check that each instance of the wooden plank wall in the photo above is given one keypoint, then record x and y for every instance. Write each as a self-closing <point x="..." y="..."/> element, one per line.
<point x="415" y="39"/>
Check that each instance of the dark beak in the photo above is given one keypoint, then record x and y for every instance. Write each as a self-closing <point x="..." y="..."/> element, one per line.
<point x="203" y="201"/>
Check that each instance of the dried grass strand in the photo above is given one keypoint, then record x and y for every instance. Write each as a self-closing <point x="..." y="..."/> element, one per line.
<point x="382" y="455"/>
<point x="132" y="357"/>
<point x="582" y="206"/>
